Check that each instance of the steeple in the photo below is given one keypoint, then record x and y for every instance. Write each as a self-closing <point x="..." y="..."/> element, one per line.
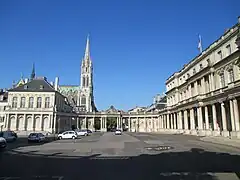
<point x="33" y="72"/>
<point x="87" y="50"/>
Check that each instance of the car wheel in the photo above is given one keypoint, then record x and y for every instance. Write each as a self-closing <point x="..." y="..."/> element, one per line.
<point x="60" y="137"/>
<point x="73" y="137"/>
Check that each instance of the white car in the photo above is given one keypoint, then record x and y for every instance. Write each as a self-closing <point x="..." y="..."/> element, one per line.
<point x="3" y="143"/>
<point x="118" y="132"/>
<point x="67" y="135"/>
<point x="82" y="132"/>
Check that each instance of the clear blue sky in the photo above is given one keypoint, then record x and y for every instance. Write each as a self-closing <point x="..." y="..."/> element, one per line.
<point x="135" y="44"/>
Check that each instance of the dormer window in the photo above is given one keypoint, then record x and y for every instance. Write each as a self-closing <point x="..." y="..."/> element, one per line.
<point x="25" y="87"/>
<point x="41" y="86"/>
<point x="201" y="66"/>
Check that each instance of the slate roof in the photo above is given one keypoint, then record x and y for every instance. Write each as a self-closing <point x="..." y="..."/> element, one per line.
<point x="36" y="85"/>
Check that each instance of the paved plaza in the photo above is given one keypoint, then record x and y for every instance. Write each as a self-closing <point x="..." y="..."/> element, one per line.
<point x="129" y="156"/>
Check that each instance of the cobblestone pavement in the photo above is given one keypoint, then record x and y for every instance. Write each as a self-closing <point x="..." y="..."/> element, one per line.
<point x="130" y="156"/>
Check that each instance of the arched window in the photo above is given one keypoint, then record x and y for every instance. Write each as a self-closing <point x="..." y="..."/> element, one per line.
<point x="83" y="100"/>
<point x="39" y="102"/>
<point x="14" y="102"/>
<point x="87" y="81"/>
<point x="84" y="82"/>
<point x="30" y="103"/>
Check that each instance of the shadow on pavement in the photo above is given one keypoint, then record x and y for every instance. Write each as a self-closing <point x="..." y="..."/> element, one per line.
<point x="193" y="164"/>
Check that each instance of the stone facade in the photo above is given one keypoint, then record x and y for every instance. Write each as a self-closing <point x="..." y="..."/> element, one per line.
<point x="203" y="97"/>
<point x="36" y="106"/>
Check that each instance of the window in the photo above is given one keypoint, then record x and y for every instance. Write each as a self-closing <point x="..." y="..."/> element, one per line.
<point x="47" y="102"/>
<point x="222" y="80"/>
<point x="208" y="62"/>
<point x="14" y="102"/>
<point x="200" y="66"/>
<point x="30" y="103"/>
<point x="83" y="100"/>
<point x="39" y="102"/>
<point x="219" y="55"/>
<point x="229" y="51"/>
<point x="22" y="102"/>
<point x="231" y="75"/>
<point x="83" y="82"/>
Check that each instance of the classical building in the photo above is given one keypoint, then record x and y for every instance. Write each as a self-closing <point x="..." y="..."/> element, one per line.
<point x="37" y="106"/>
<point x="204" y="96"/>
<point x="3" y="104"/>
<point x="81" y="97"/>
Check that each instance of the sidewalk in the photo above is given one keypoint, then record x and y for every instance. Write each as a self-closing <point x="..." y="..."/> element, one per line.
<point x="222" y="140"/>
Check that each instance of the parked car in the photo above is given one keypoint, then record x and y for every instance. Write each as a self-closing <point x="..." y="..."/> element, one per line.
<point x="67" y="135"/>
<point x="118" y="132"/>
<point x="9" y="136"/>
<point x="82" y="132"/>
<point x="3" y="143"/>
<point x="36" y="137"/>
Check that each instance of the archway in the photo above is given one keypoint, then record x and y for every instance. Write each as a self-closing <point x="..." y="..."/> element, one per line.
<point x="111" y="123"/>
<point x="97" y="124"/>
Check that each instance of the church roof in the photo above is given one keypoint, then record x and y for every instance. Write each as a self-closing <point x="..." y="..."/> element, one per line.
<point x="36" y="85"/>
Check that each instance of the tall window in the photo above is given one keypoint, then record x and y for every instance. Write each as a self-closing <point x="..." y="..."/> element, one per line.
<point x="87" y="81"/>
<point x="22" y="102"/>
<point x="84" y="82"/>
<point x="83" y="100"/>
<point x="39" y="102"/>
<point x="222" y="80"/>
<point x="231" y="75"/>
<point x="47" y="102"/>
<point x="219" y="55"/>
<point x="14" y="102"/>
<point x="229" y="51"/>
<point x="30" y="103"/>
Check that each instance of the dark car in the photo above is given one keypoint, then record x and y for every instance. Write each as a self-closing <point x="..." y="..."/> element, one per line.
<point x="89" y="131"/>
<point x="36" y="137"/>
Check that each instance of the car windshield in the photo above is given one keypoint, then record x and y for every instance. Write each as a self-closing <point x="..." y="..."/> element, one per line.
<point x="33" y="135"/>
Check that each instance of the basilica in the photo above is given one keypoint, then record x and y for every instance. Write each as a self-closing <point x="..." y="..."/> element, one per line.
<point x="202" y="98"/>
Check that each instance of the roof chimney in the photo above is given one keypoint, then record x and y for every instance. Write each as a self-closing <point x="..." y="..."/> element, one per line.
<point x="56" y="83"/>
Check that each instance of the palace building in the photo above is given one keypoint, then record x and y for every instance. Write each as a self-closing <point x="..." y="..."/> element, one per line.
<point x="202" y="98"/>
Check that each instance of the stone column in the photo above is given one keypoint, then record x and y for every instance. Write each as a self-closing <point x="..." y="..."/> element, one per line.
<point x="192" y="121"/>
<point x="202" y="86"/>
<point x="168" y="123"/>
<point x="224" y="120"/>
<point x="25" y="122"/>
<point x="185" y="121"/>
<point x="174" y="121"/>
<point x="200" y="118"/>
<point x="211" y="81"/>
<point x="236" y="115"/>
<point x="195" y="88"/>
<point x="215" y="126"/>
<point x="129" y="124"/>
<point x="206" y="118"/>
<point x="180" y="125"/>
<point x="77" y="122"/>
<point x="171" y="118"/>
<point x="189" y="91"/>
<point x="232" y="115"/>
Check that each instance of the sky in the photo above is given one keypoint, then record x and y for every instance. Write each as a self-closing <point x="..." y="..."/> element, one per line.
<point x="135" y="44"/>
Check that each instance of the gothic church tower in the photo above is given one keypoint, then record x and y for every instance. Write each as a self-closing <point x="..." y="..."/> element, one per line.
<point x="86" y="99"/>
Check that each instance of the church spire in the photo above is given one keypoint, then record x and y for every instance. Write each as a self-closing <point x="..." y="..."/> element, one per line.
<point x="33" y="72"/>
<point x="87" y="50"/>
